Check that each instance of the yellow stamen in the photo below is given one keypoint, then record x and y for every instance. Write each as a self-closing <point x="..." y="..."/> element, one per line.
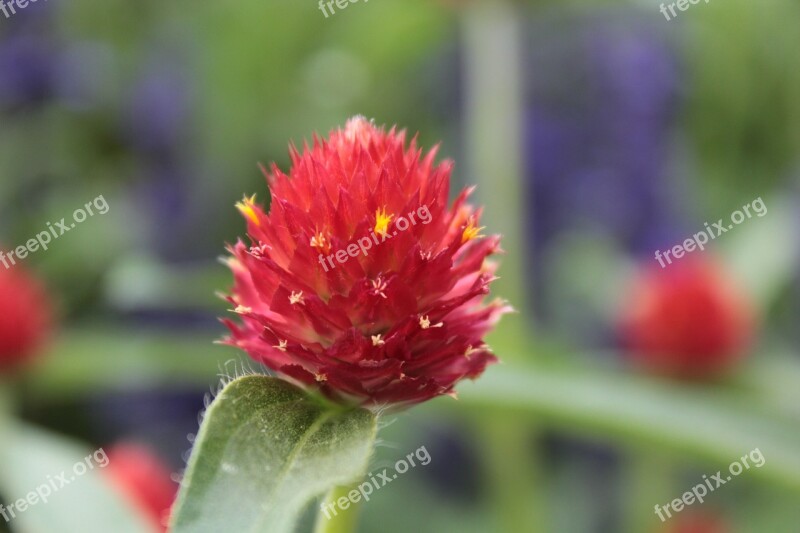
<point x="425" y="323"/>
<point x="281" y="345"/>
<point x="377" y="341"/>
<point x="321" y="242"/>
<point x="382" y="220"/>
<point x="296" y="298"/>
<point x="246" y="207"/>
<point x="320" y="377"/>
<point x="471" y="231"/>
<point x="378" y="286"/>
<point x="260" y="250"/>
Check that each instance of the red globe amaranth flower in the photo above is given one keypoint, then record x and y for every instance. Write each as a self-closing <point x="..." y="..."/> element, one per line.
<point x="143" y="480"/>
<point x="360" y="281"/>
<point x="688" y="320"/>
<point x="26" y="317"/>
<point x="697" y="523"/>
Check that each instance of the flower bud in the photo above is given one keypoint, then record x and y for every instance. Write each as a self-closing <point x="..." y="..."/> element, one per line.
<point x="697" y="523"/>
<point x="688" y="320"/>
<point x="26" y="317"/>
<point x="143" y="479"/>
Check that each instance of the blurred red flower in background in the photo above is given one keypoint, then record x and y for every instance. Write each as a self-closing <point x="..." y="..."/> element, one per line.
<point x="697" y="523"/>
<point x="143" y="480"/>
<point x="688" y="320"/>
<point x="26" y="317"/>
<point x="398" y="322"/>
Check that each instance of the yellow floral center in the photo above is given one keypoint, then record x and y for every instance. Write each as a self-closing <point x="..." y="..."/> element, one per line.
<point x="320" y="242"/>
<point x="377" y="340"/>
<point x="246" y="207"/>
<point x="425" y="323"/>
<point x="471" y="231"/>
<point x="382" y="221"/>
<point x="281" y="345"/>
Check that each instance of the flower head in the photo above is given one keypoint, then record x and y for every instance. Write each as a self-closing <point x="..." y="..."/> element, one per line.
<point x="687" y="320"/>
<point x="361" y="281"/>
<point x="25" y="317"/>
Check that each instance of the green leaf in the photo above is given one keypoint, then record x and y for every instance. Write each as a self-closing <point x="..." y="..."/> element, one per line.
<point x="700" y="422"/>
<point x="37" y="461"/>
<point x="264" y="451"/>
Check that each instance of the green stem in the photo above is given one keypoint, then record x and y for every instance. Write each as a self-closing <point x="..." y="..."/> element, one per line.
<point x="338" y="520"/>
<point x="648" y="483"/>
<point x="514" y="475"/>
<point x="494" y="114"/>
<point x="7" y="397"/>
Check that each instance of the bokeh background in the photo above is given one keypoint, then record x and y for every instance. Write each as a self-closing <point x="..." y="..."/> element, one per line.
<point x="597" y="132"/>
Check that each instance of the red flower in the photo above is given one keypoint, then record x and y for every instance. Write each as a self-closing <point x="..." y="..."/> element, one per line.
<point x="25" y="317"/>
<point x="143" y="480"/>
<point x="687" y="320"/>
<point x="698" y="523"/>
<point x="360" y="281"/>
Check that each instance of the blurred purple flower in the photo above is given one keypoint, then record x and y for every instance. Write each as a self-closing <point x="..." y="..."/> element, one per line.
<point x="27" y="70"/>
<point x="164" y="194"/>
<point x="37" y="66"/>
<point x="157" y="118"/>
<point x="603" y="90"/>
<point x="601" y="102"/>
<point x="157" y="127"/>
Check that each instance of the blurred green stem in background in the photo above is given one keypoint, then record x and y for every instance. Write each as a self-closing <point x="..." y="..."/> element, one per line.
<point x="338" y="520"/>
<point x="508" y="452"/>
<point x="648" y="482"/>
<point x="493" y="114"/>
<point x="7" y="397"/>
<point x="492" y="42"/>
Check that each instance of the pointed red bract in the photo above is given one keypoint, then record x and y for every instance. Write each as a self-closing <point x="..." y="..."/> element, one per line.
<point x="362" y="281"/>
